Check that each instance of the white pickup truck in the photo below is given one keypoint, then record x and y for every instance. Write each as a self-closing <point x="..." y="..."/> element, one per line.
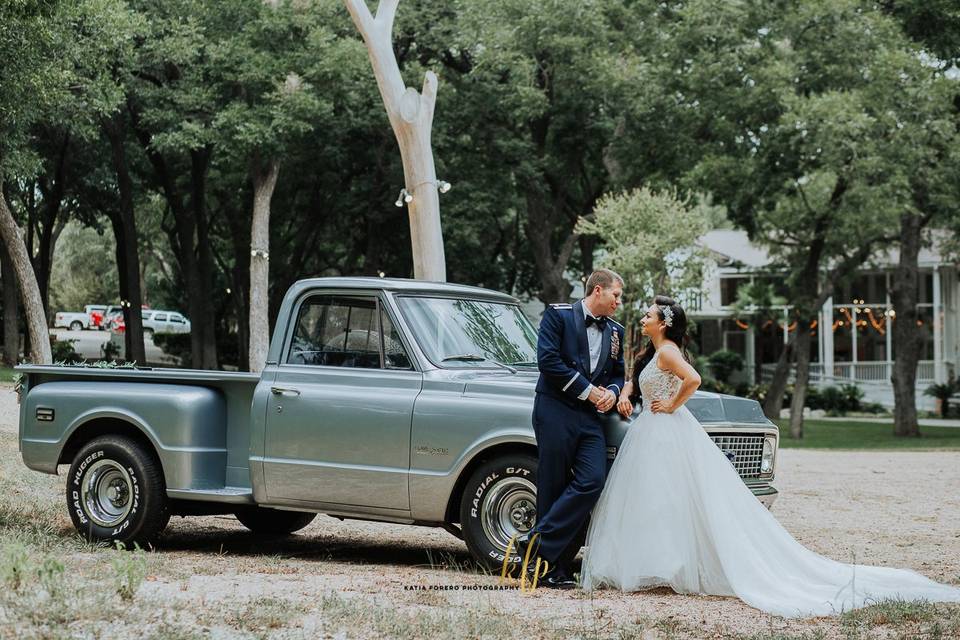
<point x="73" y="320"/>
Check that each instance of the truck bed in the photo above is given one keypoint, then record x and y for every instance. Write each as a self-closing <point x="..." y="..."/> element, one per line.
<point x="218" y="438"/>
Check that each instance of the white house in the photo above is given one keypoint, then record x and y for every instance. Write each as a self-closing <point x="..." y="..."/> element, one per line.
<point x="853" y="331"/>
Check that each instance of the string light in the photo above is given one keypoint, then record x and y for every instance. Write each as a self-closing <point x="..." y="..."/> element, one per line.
<point x="405" y="196"/>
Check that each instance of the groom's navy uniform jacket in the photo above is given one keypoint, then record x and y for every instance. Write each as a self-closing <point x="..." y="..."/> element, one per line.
<point x="570" y="441"/>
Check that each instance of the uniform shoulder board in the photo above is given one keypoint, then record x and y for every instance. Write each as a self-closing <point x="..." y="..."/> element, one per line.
<point x="561" y="305"/>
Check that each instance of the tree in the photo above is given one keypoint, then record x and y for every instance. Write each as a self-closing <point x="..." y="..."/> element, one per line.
<point x="43" y="78"/>
<point x="557" y="77"/>
<point x="411" y="116"/>
<point x="273" y="65"/>
<point x="649" y="238"/>
<point x="782" y="123"/>
<point x="932" y="134"/>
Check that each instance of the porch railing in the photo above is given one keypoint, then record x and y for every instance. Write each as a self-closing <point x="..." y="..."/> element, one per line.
<point x="854" y="373"/>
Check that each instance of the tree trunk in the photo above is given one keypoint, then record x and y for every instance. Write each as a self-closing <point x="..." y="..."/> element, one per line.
<point x="802" y="350"/>
<point x="128" y="252"/>
<point x="906" y="336"/>
<point x="411" y="117"/>
<point x="773" y="402"/>
<point x="264" y="180"/>
<point x="206" y="320"/>
<point x="11" y="324"/>
<point x="40" y="352"/>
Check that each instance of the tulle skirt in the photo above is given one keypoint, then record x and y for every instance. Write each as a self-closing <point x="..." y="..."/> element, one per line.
<point x="674" y="512"/>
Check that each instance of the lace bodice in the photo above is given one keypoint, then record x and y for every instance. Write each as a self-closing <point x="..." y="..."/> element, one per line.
<point x="655" y="383"/>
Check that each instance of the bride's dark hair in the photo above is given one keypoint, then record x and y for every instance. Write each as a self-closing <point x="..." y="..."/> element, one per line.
<point x="677" y="332"/>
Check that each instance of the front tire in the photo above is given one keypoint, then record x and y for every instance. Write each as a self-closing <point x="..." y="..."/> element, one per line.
<point x="499" y="501"/>
<point x="116" y="492"/>
<point x="273" y="522"/>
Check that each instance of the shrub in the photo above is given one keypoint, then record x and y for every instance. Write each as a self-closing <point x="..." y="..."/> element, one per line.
<point x="724" y="363"/>
<point x="176" y="345"/>
<point x="63" y="351"/>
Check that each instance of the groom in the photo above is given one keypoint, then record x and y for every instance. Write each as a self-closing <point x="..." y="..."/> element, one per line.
<point x="580" y="357"/>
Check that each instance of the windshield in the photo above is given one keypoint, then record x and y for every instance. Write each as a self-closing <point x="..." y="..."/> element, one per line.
<point x="450" y="331"/>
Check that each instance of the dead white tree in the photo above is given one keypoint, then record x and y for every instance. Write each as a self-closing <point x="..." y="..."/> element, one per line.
<point x="411" y="116"/>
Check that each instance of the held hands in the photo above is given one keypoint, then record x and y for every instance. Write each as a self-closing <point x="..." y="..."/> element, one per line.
<point x="603" y="399"/>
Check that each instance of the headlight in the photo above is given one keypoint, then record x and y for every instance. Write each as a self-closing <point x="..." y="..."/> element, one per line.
<point x="766" y="462"/>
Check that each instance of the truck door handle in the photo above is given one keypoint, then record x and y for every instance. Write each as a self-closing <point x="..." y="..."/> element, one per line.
<point x="279" y="391"/>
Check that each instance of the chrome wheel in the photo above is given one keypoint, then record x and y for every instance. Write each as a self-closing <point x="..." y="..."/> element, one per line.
<point x="509" y="509"/>
<point x="107" y="493"/>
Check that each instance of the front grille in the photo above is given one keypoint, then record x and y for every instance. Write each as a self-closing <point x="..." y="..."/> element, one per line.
<point x="746" y="451"/>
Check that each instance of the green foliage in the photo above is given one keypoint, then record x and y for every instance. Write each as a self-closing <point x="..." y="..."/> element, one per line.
<point x="174" y="344"/>
<point x="84" y="269"/>
<point x="129" y="569"/>
<point x="836" y="401"/>
<point x="14" y="566"/>
<point x="63" y="351"/>
<point x="649" y="240"/>
<point x="725" y="363"/>
<point x="943" y="391"/>
<point x="856" y="435"/>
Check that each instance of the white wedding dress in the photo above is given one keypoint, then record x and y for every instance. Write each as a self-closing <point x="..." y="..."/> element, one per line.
<point x="674" y="512"/>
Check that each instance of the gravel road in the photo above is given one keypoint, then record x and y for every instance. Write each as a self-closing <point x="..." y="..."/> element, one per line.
<point x="899" y="508"/>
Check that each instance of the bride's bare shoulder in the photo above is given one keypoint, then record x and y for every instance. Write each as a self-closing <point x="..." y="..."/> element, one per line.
<point x="669" y="357"/>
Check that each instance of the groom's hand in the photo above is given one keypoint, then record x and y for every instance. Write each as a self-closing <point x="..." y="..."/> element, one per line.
<point x="603" y="399"/>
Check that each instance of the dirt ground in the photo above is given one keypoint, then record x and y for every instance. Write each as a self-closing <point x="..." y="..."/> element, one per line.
<point x="211" y="578"/>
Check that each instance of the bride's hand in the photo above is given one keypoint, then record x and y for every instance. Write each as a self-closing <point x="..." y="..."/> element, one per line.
<point x="662" y="406"/>
<point x="624" y="406"/>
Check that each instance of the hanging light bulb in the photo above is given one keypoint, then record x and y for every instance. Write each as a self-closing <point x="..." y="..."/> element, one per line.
<point x="405" y="196"/>
<point x="443" y="186"/>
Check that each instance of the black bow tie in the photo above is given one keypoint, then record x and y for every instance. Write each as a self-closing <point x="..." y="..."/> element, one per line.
<point x="601" y="322"/>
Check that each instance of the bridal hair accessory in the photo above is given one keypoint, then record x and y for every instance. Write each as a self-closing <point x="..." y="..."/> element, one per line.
<point x="667" y="315"/>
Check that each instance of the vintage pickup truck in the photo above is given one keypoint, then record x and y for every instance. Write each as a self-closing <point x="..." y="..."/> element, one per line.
<point x="393" y="400"/>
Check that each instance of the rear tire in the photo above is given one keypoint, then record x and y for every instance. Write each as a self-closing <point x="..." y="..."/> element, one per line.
<point x="116" y="492"/>
<point x="273" y="522"/>
<point x="76" y="325"/>
<point x="498" y="502"/>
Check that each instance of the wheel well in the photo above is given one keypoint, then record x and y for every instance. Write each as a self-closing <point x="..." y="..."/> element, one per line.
<point x="506" y="448"/>
<point x="100" y="427"/>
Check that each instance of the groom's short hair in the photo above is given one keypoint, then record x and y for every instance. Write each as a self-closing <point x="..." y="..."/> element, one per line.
<point x="603" y="277"/>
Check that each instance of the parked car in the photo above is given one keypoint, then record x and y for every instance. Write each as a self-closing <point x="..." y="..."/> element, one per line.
<point x="73" y="320"/>
<point x="393" y="400"/>
<point x="164" y="321"/>
<point x="95" y="313"/>
<point x="110" y="315"/>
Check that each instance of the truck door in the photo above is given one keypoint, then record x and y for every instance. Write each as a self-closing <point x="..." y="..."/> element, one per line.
<point x="341" y="407"/>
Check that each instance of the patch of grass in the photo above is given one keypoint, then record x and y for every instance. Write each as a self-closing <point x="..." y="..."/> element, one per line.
<point x="7" y="376"/>
<point x="129" y="570"/>
<point x="263" y="615"/>
<point x="823" y="434"/>
<point x="904" y="619"/>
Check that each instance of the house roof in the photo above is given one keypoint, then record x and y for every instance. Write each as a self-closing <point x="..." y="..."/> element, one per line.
<point x="733" y="249"/>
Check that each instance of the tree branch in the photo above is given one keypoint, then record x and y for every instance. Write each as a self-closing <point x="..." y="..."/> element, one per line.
<point x="429" y="91"/>
<point x="386" y="12"/>
<point x="361" y="17"/>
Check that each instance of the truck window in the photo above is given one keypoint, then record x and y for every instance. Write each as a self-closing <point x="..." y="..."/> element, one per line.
<point x="160" y="317"/>
<point x="337" y="331"/>
<point x="394" y="355"/>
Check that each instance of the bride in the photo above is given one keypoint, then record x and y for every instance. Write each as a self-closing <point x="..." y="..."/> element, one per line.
<point x="675" y="513"/>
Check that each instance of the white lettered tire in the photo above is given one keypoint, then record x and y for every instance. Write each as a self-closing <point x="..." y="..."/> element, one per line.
<point x="499" y="501"/>
<point x="116" y="492"/>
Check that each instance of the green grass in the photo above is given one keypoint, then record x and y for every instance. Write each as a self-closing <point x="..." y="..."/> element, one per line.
<point x="7" y="374"/>
<point x="821" y="434"/>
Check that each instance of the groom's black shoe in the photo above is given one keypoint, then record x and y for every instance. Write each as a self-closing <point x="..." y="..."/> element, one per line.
<point x="557" y="579"/>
